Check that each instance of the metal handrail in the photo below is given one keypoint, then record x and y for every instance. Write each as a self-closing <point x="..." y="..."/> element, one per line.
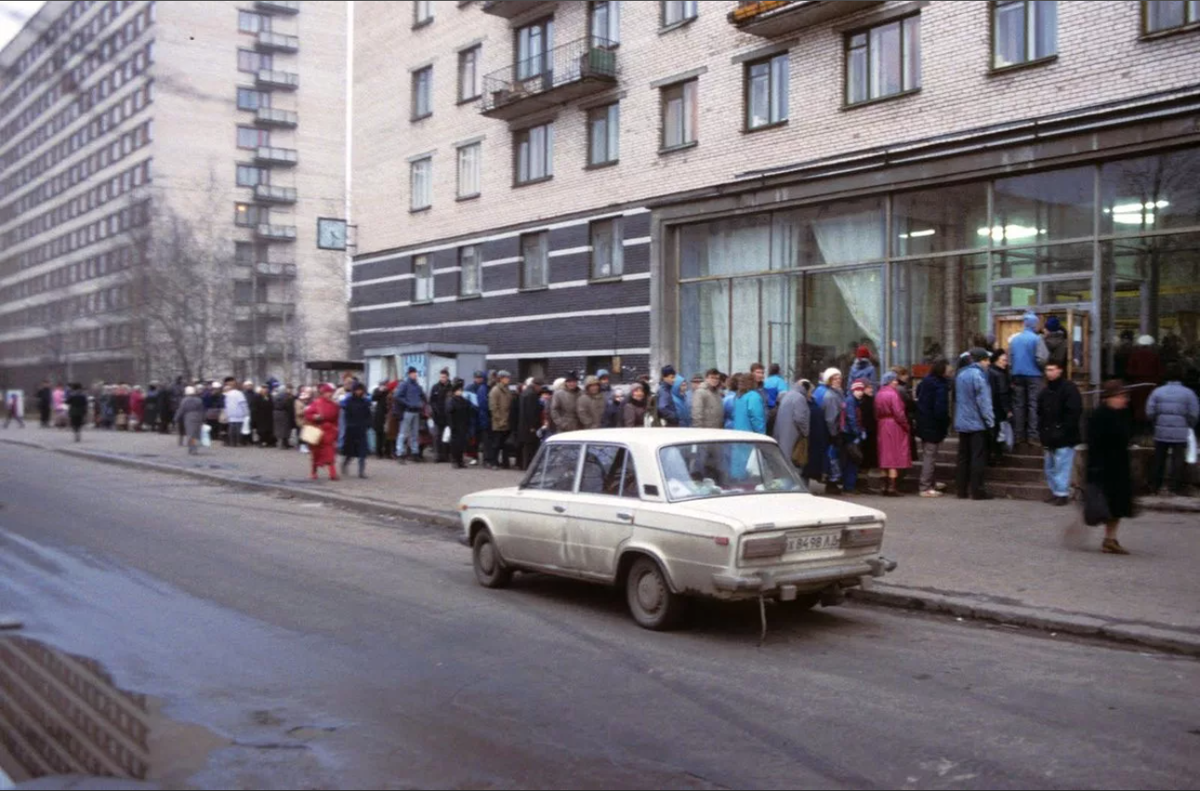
<point x="571" y="62"/>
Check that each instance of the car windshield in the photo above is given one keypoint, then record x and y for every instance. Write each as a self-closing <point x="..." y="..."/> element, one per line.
<point x="721" y="469"/>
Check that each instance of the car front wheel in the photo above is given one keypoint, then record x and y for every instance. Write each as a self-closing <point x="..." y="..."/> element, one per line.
<point x="489" y="569"/>
<point x="651" y="601"/>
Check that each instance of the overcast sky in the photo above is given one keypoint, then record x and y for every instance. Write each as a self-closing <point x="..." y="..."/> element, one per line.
<point x="13" y="14"/>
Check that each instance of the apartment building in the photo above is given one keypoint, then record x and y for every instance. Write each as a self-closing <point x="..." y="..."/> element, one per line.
<point x="162" y="167"/>
<point x="623" y="185"/>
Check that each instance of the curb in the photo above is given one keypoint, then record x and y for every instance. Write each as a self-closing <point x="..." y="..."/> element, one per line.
<point x="1047" y="620"/>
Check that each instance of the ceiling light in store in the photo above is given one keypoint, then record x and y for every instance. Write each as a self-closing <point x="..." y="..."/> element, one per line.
<point x="918" y="234"/>
<point x="1134" y="218"/>
<point x="1128" y="208"/>
<point x="1011" y="232"/>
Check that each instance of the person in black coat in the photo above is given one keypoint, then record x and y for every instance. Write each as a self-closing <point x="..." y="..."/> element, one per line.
<point x="1000" y="381"/>
<point x="45" y="395"/>
<point x="439" y="397"/>
<point x="1060" y="412"/>
<point x="263" y="418"/>
<point x="933" y="423"/>
<point x="529" y="420"/>
<point x="77" y="407"/>
<point x="1109" y="432"/>
<point x="379" y="408"/>
<point x="460" y="416"/>
<point x="356" y="418"/>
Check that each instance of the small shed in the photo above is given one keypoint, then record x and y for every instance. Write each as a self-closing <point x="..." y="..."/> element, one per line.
<point x="386" y="363"/>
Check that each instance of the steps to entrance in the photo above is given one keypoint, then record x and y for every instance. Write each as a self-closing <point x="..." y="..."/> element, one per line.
<point x="1018" y="476"/>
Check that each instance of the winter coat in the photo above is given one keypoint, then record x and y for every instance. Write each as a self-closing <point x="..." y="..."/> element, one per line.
<point x="284" y="415"/>
<point x="1057" y="348"/>
<point x="707" y="409"/>
<point x="356" y="419"/>
<point x="438" y="395"/>
<point x="299" y="407"/>
<point x="500" y="400"/>
<point x="150" y="410"/>
<point x="460" y="417"/>
<point x="667" y="412"/>
<point x="264" y="418"/>
<point x="633" y="414"/>
<point x="483" y="417"/>
<point x="774" y="387"/>
<point x="1060" y="409"/>
<point x="972" y="400"/>
<point x="529" y="416"/>
<point x="589" y="409"/>
<point x="408" y="396"/>
<point x="682" y="408"/>
<point x="750" y="413"/>
<point x="852" y="427"/>
<point x="831" y="408"/>
<point x="1000" y="382"/>
<point x="818" y="433"/>
<point x="77" y="404"/>
<point x="895" y="452"/>
<point x="727" y="409"/>
<point x="236" y="408"/>
<point x="137" y="403"/>
<point x="1027" y="352"/>
<point x="791" y="419"/>
<point x="933" y="409"/>
<point x="1175" y="411"/>
<point x="379" y="410"/>
<point x="324" y="414"/>
<point x="1145" y="367"/>
<point x="191" y="415"/>
<point x="863" y="369"/>
<point x="1108" y="467"/>
<point x="564" y="410"/>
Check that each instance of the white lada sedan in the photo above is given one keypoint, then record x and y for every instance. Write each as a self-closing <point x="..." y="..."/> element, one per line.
<point x="671" y="513"/>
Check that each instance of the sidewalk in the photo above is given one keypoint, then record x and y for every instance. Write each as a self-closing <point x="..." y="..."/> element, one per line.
<point x="1001" y="560"/>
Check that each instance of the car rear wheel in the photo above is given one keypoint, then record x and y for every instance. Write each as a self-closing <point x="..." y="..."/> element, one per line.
<point x="489" y="569"/>
<point x="652" y="603"/>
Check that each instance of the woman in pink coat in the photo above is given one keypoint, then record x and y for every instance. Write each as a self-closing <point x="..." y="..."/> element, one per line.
<point x="895" y="453"/>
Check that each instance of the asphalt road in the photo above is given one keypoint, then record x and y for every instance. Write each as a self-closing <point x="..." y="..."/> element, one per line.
<point x="329" y="649"/>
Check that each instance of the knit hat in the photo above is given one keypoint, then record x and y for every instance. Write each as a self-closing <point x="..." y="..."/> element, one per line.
<point x="479" y="375"/>
<point x="1146" y="340"/>
<point x="591" y="380"/>
<point x="503" y="374"/>
<point x="978" y="354"/>
<point x="863" y="353"/>
<point x="888" y="378"/>
<point x="189" y="390"/>
<point x="1031" y="320"/>
<point x="411" y="370"/>
<point x="571" y="377"/>
<point x="827" y="377"/>
<point x="602" y="373"/>
<point x="859" y="386"/>
<point x="668" y="370"/>
<point x="1053" y="324"/>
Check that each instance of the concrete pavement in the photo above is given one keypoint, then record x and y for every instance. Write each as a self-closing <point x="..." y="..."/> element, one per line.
<point x="1002" y="560"/>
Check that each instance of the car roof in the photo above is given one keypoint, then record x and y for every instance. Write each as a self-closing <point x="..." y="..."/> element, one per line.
<point x="649" y="439"/>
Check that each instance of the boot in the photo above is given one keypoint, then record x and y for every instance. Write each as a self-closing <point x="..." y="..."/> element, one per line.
<point x="333" y="476"/>
<point x="889" y="488"/>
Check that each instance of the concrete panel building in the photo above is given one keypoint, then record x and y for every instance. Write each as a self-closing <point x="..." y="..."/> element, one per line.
<point x="715" y="183"/>
<point x="162" y="166"/>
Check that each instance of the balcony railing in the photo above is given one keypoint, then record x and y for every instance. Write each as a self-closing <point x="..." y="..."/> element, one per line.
<point x="269" y="193"/>
<point x="271" y="155"/>
<point x="577" y="68"/>
<point x="273" y="310"/>
<point x="771" y="18"/>
<point x="270" y="116"/>
<point x="511" y="8"/>
<point x="278" y="6"/>
<point x="278" y="233"/>
<point x="265" y="270"/>
<point x="274" y="78"/>
<point x="277" y="42"/>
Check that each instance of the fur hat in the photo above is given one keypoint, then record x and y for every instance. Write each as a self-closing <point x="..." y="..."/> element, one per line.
<point x="827" y="377"/>
<point x="591" y="380"/>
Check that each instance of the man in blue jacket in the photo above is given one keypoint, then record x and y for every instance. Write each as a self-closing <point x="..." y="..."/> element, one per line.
<point x="408" y="405"/>
<point x="973" y="419"/>
<point x="667" y="413"/>
<point x="1175" y="412"/>
<point x="1027" y="356"/>
<point x="483" y="417"/>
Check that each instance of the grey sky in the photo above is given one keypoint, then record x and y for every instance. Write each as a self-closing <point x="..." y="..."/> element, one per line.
<point x="13" y="14"/>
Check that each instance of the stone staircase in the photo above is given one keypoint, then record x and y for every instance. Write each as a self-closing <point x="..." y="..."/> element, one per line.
<point x="1019" y="476"/>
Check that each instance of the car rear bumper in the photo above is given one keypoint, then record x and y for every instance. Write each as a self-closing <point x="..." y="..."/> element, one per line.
<point x="768" y="582"/>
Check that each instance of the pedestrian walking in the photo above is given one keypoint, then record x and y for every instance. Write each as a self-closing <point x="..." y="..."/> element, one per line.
<point x="408" y="405"/>
<point x="589" y="408"/>
<point x="14" y="411"/>
<point x="1028" y="355"/>
<point x="356" y="422"/>
<point x="633" y="412"/>
<point x="973" y="418"/>
<point x="933" y="423"/>
<point x="564" y="405"/>
<point x="1060" y="410"/>
<point x="1174" y="411"/>
<point x="303" y="399"/>
<point x="500" y="403"/>
<point x="460" y="417"/>
<point x="1109" y="474"/>
<point x="895" y="449"/>
<point x="45" y="397"/>
<point x="322" y="415"/>
<point x="190" y="418"/>
<point x="77" y="407"/>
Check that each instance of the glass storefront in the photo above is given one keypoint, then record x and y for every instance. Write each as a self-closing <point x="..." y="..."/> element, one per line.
<point x="917" y="275"/>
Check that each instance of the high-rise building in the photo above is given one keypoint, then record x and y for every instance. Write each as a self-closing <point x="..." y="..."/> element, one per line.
<point x="710" y="184"/>
<point x="162" y="169"/>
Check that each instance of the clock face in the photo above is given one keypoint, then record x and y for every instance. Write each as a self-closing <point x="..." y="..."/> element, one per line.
<point x="331" y="234"/>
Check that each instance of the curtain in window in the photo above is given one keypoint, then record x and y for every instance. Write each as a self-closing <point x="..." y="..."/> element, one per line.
<point x="856" y="237"/>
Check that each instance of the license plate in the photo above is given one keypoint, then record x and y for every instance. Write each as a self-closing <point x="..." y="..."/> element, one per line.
<point x="808" y="542"/>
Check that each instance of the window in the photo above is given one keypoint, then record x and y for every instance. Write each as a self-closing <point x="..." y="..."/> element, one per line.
<point x="608" y="249"/>
<point x="1159" y="15"/>
<point x="534" y="152"/>
<point x="422" y="173"/>
<point x="608" y="469"/>
<point x="883" y="61"/>
<point x="470" y="280"/>
<point x="422" y="279"/>
<point x="556" y="472"/>
<point x="679" y="114"/>
<point x="250" y="137"/>
<point x="422" y="12"/>
<point x="248" y="99"/>
<point x="243" y="253"/>
<point x="251" y="61"/>
<point x="675" y="12"/>
<point x="249" y="216"/>
<point x="604" y="130"/>
<point x="1023" y="31"/>
<point x="468" y="74"/>
<point x="606" y="23"/>
<point x="248" y="176"/>
<point x="422" y="84"/>
<point x="534" y="263"/>
<point x="534" y="43"/>
<point x="468" y="170"/>
<point x="253" y="23"/>
<point x="767" y="92"/>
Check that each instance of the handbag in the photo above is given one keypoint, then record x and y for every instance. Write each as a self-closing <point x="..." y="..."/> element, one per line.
<point x="1095" y="505"/>
<point x="311" y="435"/>
<point x="800" y="452"/>
<point x="446" y="434"/>
<point x="246" y="427"/>
<point x="1190" y="456"/>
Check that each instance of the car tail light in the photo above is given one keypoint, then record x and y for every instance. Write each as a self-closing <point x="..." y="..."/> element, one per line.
<point x="862" y="536"/>
<point x="763" y="547"/>
<point x="721" y="541"/>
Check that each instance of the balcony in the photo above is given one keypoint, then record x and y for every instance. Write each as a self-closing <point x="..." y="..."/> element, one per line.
<point x="511" y="8"/>
<point x="273" y="310"/>
<point x="274" y="79"/>
<point x="277" y="42"/>
<point x="264" y="270"/>
<point x="267" y="350"/>
<point x="772" y="18"/>
<point x="271" y="155"/>
<point x="270" y="116"/>
<point x="269" y="193"/>
<point x="576" y="69"/>
<point x="278" y="6"/>
<point x="275" y="233"/>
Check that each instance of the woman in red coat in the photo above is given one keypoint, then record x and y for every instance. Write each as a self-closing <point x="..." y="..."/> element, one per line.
<point x="891" y="418"/>
<point x="323" y="414"/>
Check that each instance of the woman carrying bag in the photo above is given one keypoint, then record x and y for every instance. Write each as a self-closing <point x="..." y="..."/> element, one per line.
<point x="1108" y="494"/>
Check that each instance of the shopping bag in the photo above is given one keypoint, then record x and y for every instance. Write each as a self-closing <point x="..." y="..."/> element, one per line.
<point x="1095" y="505"/>
<point x="246" y="427"/>
<point x="206" y="435"/>
<point x="311" y="435"/>
<point x="446" y="434"/>
<point x="1191" y="448"/>
<point x="1006" y="435"/>
<point x="371" y="440"/>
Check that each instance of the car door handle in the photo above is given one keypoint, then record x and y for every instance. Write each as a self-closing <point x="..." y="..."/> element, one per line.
<point x="626" y="517"/>
<point x="562" y="509"/>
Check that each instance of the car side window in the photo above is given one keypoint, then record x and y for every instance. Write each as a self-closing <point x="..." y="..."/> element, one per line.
<point x="558" y="474"/>
<point x="629" y="484"/>
<point x="533" y="480"/>
<point x="602" y="466"/>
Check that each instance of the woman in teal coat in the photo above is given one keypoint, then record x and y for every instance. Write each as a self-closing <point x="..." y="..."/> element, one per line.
<point x="749" y="414"/>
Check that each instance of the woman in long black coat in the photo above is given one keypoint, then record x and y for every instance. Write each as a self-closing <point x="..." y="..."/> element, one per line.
<point x="356" y="417"/>
<point x="1110" y="430"/>
<point x="460" y="416"/>
<point x="529" y="420"/>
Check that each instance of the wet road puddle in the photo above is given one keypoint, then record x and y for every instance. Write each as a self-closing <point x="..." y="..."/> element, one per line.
<point x="61" y="714"/>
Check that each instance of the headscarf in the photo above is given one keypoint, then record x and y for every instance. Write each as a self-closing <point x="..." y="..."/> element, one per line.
<point x="888" y="378"/>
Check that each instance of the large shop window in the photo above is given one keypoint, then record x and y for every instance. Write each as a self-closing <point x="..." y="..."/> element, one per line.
<point x="940" y="220"/>
<point x="1154" y="193"/>
<point x="1042" y="207"/>
<point x="1023" y="31"/>
<point x="883" y="61"/>
<point x="933" y="302"/>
